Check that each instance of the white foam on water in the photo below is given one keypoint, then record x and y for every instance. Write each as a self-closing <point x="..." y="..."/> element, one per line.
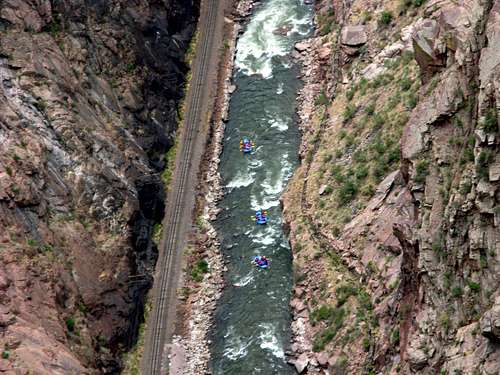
<point x="245" y="280"/>
<point x="280" y="90"/>
<point x="236" y="348"/>
<point x="241" y="180"/>
<point x="269" y="341"/>
<point x="278" y="123"/>
<point x="272" y="189"/>
<point x="261" y="41"/>
<point x="265" y="237"/>
<point x="255" y="163"/>
<point x="257" y="203"/>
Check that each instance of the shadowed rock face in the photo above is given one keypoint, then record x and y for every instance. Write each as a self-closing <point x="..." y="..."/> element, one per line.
<point x="88" y="97"/>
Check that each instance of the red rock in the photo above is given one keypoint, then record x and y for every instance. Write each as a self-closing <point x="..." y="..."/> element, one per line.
<point x="322" y="359"/>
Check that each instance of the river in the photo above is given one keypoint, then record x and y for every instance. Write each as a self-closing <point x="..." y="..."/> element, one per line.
<point x="251" y="330"/>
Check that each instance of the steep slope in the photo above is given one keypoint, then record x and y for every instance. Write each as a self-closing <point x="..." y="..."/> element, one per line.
<point x="394" y="212"/>
<point x="88" y="100"/>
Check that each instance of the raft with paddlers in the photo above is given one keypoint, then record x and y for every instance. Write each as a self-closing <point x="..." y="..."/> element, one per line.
<point x="261" y="262"/>
<point x="261" y="217"/>
<point x="246" y="146"/>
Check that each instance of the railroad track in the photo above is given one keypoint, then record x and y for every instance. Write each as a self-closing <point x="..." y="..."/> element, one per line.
<point x="160" y="324"/>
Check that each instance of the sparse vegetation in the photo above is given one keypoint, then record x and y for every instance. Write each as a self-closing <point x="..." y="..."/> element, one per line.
<point x="484" y="159"/>
<point x="334" y="318"/>
<point x="321" y="99"/>
<point x="70" y="324"/>
<point x="395" y="337"/>
<point x="457" y="291"/>
<point x="445" y="321"/>
<point x="199" y="269"/>
<point x="326" y="22"/>
<point x="385" y="18"/>
<point x="343" y="292"/>
<point x="349" y="112"/>
<point x="167" y="174"/>
<point x="490" y="124"/>
<point x="473" y="286"/>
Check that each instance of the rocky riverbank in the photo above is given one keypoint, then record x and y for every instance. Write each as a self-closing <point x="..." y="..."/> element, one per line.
<point x="312" y="54"/>
<point x="190" y="352"/>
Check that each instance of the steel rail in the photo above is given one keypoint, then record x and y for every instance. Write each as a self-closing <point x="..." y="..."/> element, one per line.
<point x="165" y="288"/>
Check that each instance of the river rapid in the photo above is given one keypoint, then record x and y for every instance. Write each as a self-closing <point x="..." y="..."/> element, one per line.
<point x="252" y="320"/>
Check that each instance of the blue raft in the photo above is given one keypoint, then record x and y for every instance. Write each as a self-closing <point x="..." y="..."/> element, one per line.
<point x="261" y="217"/>
<point x="261" y="262"/>
<point x="246" y="146"/>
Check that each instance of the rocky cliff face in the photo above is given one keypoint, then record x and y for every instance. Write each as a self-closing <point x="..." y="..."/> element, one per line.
<point x="88" y="100"/>
<point x="394" y="212"/>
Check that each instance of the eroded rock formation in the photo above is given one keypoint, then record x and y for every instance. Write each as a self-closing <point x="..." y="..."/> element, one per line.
<point x="88" y="99"/>
<point x="394" y="212"/>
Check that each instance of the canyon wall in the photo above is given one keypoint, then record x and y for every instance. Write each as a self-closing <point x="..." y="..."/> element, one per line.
<point x="89" y="91"/>
<point x="394" y="212"/>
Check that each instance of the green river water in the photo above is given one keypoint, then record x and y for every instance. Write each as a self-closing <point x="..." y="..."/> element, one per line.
<point x="253" y="318"/>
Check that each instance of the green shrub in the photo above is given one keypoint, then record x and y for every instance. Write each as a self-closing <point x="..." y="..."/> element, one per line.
<point x="385" y="18"/>
<point x="457" y="291"/>
<point x="338" y="174"/>
<point x="200" y="268"/>
<point x="411" y="100"/>
<point x="343" y="292"/>
<point x="70" y="324"/>
<point x="490" y="124"/>
<point x="395" y="336"/>
<point x="130" y="67"/>
<point x="359" y="157"/>
<point x="347" y="191"/>
<point x="349" y="112"/>
<point x="5" y="354"/>
<point x="362" y="86"/>
<point x="324" y="338"/>
<point x="483" y="261"/>
<point x="361" y="172"/>
<point x="326" y="29"/>
<point x="335" y="318"/>
<point x="393" y="155"/>
<point x="350" y="93"/>
<point x="379" y="120"/>
<point x="393" y="102"/>
<point x="321" y="99"/>
<point x="483" y="162"/>
<point x="323" y="312"/>
<point x="417" y="3"/>
<point x="405" y="83"/>
<point x="366" y="344"/>
<point x="379" y="169"/>
<point x="47" y="248"/>
<point x="370" y="109"/>
<point x="368" y="190"/>
<point x="473" y="286"/>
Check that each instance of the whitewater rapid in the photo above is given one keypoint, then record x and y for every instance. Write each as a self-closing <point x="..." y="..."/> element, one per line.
<point x="252" y="321"/>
